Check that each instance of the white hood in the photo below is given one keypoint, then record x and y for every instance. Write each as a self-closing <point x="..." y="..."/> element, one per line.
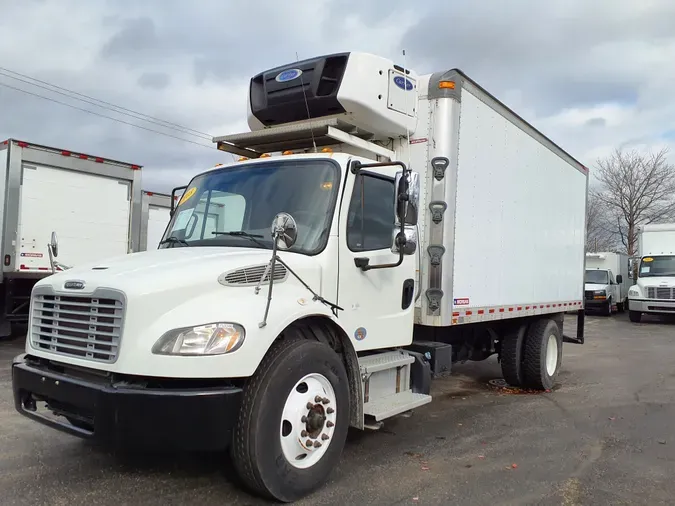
<point x="163" y="270"/>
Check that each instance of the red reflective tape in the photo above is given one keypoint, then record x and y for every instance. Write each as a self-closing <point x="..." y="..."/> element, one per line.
<point x="501" y="309"/>
<point x="468" y="313"/>
<point x="149" y="193"/>
<point x="83" y="157"/>
<point x="455" y="314"/>
<point x="135" y="167"/>
<point x="491" y="311"/>
<point x="23" y="267"/>
<point x="520" y="308"/>
<point x="22" y="144"/>
<point x="43" y="268"/>
<point x="527" y="307"/>
<point x="481" y="311"/>
<point x="66" y="153"/>
<point x="98" y="160"/>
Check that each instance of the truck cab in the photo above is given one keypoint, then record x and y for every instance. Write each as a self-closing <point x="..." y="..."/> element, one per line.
<point x="602" y="290"/>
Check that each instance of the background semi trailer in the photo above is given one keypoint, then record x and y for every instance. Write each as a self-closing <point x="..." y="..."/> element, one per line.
<point x="323" y="281"/>
<point x="607" y="281"/>
<point x="90" y="203"/>
<point x="654" y="288"/>
<point x="155" y="215"/>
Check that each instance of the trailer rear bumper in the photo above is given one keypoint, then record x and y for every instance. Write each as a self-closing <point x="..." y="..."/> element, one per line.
<point x="652" y="306"/>
<point x="115" y="414"/>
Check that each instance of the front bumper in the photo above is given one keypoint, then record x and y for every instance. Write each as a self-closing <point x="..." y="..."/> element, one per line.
<point x="114" y="413"/>
<point x="652" y="306"/>
<point x="595" y="303"/>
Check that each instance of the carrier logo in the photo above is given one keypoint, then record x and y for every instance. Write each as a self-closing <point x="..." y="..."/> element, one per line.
<point x="403" y="83"/>
<point x="74" y="285"/>
<point x="461" y="302"/>
<point x="288" y="75"/>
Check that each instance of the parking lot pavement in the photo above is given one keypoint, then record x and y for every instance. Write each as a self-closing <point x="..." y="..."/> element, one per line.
<point x="604" y="436"/>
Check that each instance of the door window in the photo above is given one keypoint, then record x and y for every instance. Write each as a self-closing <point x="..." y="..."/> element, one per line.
<point x="370" y="222"/>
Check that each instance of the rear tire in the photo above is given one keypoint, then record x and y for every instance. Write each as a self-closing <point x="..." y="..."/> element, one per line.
<point x="543" y="354"/>
<point x="275" y="412"/>
<point x="635" y="316"/>
<point x="608" y="310"/>
<point x="511" y="357"/>
<point x="620" y="308"/>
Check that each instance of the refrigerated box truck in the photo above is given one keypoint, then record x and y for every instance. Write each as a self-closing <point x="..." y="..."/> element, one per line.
<point x="350" y="257"/>
<point x="607" y="281"/>
<point x="155" y="215"/>
<point x="654" y="288"/>
<point x="89" y="202"/>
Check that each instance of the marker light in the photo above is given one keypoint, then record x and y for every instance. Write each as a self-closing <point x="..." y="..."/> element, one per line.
<point x="287" y="152"/>
<point x="447" y="85"/>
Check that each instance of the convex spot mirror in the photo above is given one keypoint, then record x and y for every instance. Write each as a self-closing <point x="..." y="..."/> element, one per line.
<point x="284" y="231"/>
<point x="54" y="244"/>
<point x="410" y="244"/>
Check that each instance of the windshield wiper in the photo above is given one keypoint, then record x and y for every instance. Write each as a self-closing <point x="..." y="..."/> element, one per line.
<point x="174" y="240"/>
<point x="241" y="233"/>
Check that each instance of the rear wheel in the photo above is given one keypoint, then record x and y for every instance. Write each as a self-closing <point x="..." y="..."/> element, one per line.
<point x="512" y="356"/>
<point x="543" y="354"/>
<point x="635" y="316"/>
<point x="608" y="308"/>
<point x="293" y="421"/>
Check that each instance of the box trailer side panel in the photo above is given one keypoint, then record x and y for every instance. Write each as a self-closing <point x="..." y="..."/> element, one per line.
<point x="520" y="217"/>
<point x="90" y="213"/>
<point x="158" y="219"/>
<point x="658" y="239"/>
<point x="155" y="216"/>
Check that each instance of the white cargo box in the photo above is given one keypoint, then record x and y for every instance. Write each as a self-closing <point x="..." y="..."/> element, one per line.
<point x="88" y="201"/>
<point x="155" y="215"/>
<point x="657" y="239"/>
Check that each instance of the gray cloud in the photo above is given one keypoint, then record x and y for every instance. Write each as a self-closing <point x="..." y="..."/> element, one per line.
<point x="154" y="80"/>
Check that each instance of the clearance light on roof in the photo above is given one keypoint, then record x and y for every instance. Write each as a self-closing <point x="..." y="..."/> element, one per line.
<point x="242" y="159"/>
<point x="446" y="85"/>
<point x="326" y="150"/>
<point x="265" y="155"/>
<point x="287" y="152"/>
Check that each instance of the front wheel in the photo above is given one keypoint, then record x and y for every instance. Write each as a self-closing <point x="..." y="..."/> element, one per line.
<point x="608" y="309"/>
<point x="293" y="420"/>
<point x="635" y="316"/>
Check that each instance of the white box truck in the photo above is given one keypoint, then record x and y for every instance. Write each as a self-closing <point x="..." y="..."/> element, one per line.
<point x="155" y="216"/>
<point x="89" y="202"/>
<point x="410" y="222"/>
<point x="607" y="282"/>
<point x="654" y="289"/>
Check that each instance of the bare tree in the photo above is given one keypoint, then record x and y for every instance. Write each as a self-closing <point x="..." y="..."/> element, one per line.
<point x="599" y="232"/>
<point x="635" y="189"/>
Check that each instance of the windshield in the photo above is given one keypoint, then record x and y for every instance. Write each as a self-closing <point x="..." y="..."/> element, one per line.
<point x="657" y="266"/>
<point x="597" y="277"/>
<point x="244" y="199"/>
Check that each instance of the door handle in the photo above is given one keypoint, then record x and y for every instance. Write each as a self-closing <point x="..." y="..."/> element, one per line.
<point x="407" y="293"/>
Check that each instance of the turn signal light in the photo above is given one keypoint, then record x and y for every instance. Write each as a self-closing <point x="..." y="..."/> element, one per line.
<point x="446" y="85"/>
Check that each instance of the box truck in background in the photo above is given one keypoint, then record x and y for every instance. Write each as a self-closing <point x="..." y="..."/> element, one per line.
<point x="90" y="203"/>
<point x="654" y="289"/>
<point x="411" y="222"/>
<point x="607" y="281"/>
<point x="155" y="215"/>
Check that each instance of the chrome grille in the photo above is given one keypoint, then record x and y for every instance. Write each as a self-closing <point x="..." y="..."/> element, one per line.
<point x="659" y="292"/>
<point x="252" y="275"/>
<point x="77" y="326"/>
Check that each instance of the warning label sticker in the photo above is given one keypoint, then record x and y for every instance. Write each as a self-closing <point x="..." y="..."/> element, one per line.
<point x="461" y="302"/>
<point x="32" y="255"/>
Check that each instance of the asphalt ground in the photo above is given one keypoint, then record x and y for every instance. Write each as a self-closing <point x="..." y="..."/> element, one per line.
<point x="605" y="435"/>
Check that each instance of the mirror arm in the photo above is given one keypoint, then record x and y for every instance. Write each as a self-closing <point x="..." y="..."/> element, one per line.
<point x="363" y="262"/>
<point x="173" y="198"/>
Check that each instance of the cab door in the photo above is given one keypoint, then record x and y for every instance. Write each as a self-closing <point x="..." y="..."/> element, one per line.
<point x="378" y="304"/>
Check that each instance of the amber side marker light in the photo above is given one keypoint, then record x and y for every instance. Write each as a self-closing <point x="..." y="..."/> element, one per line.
<point x="446" y="85"/>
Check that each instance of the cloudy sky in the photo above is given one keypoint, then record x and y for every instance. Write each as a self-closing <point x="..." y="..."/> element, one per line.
<point x="591" y="75"/>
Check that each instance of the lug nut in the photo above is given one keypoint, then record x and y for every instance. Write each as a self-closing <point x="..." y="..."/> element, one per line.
<point x="330" y="411"/>
<point x="317" y="445"/>
<point x="303" y="419"/>
<point x="303" y="433"/>
<point x="325" y="400"/>
<point x="309" y="443"/>
<point x="317" y="398"/>
<point x="329" y="424"/>
<point x="310" y="405"/>
<point x="325" y="437"/>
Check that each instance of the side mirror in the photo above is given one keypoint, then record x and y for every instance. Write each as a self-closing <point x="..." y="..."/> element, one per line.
<point x="619" y="279"/>
<point x="174" y="199"/>
<point x="407" y="211"/>
<point x="54" y="245"/>
<point x="409" y="243"/>
<point x="284" y="231"/>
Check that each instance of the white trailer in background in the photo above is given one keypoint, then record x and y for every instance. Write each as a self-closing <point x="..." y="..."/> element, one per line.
<point x="607" y="281"/>
<point x="155" y="215"/>
<point x="410" y="223"/>
<point x="654" y="289"/>
<point x="91" y="204"/>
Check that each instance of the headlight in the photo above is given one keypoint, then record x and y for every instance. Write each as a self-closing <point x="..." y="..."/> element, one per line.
<point x="209" y="339"/>
<point x="600" y="293"/>
<point x="633" y="293"/>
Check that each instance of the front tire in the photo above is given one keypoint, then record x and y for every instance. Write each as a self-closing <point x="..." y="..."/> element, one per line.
<point x="635" y="316"/>
<point x="543" y="354"/>
<point x="511" y="356"/>
<point x="271" y="449"/>
<point x="608" y="310"/>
